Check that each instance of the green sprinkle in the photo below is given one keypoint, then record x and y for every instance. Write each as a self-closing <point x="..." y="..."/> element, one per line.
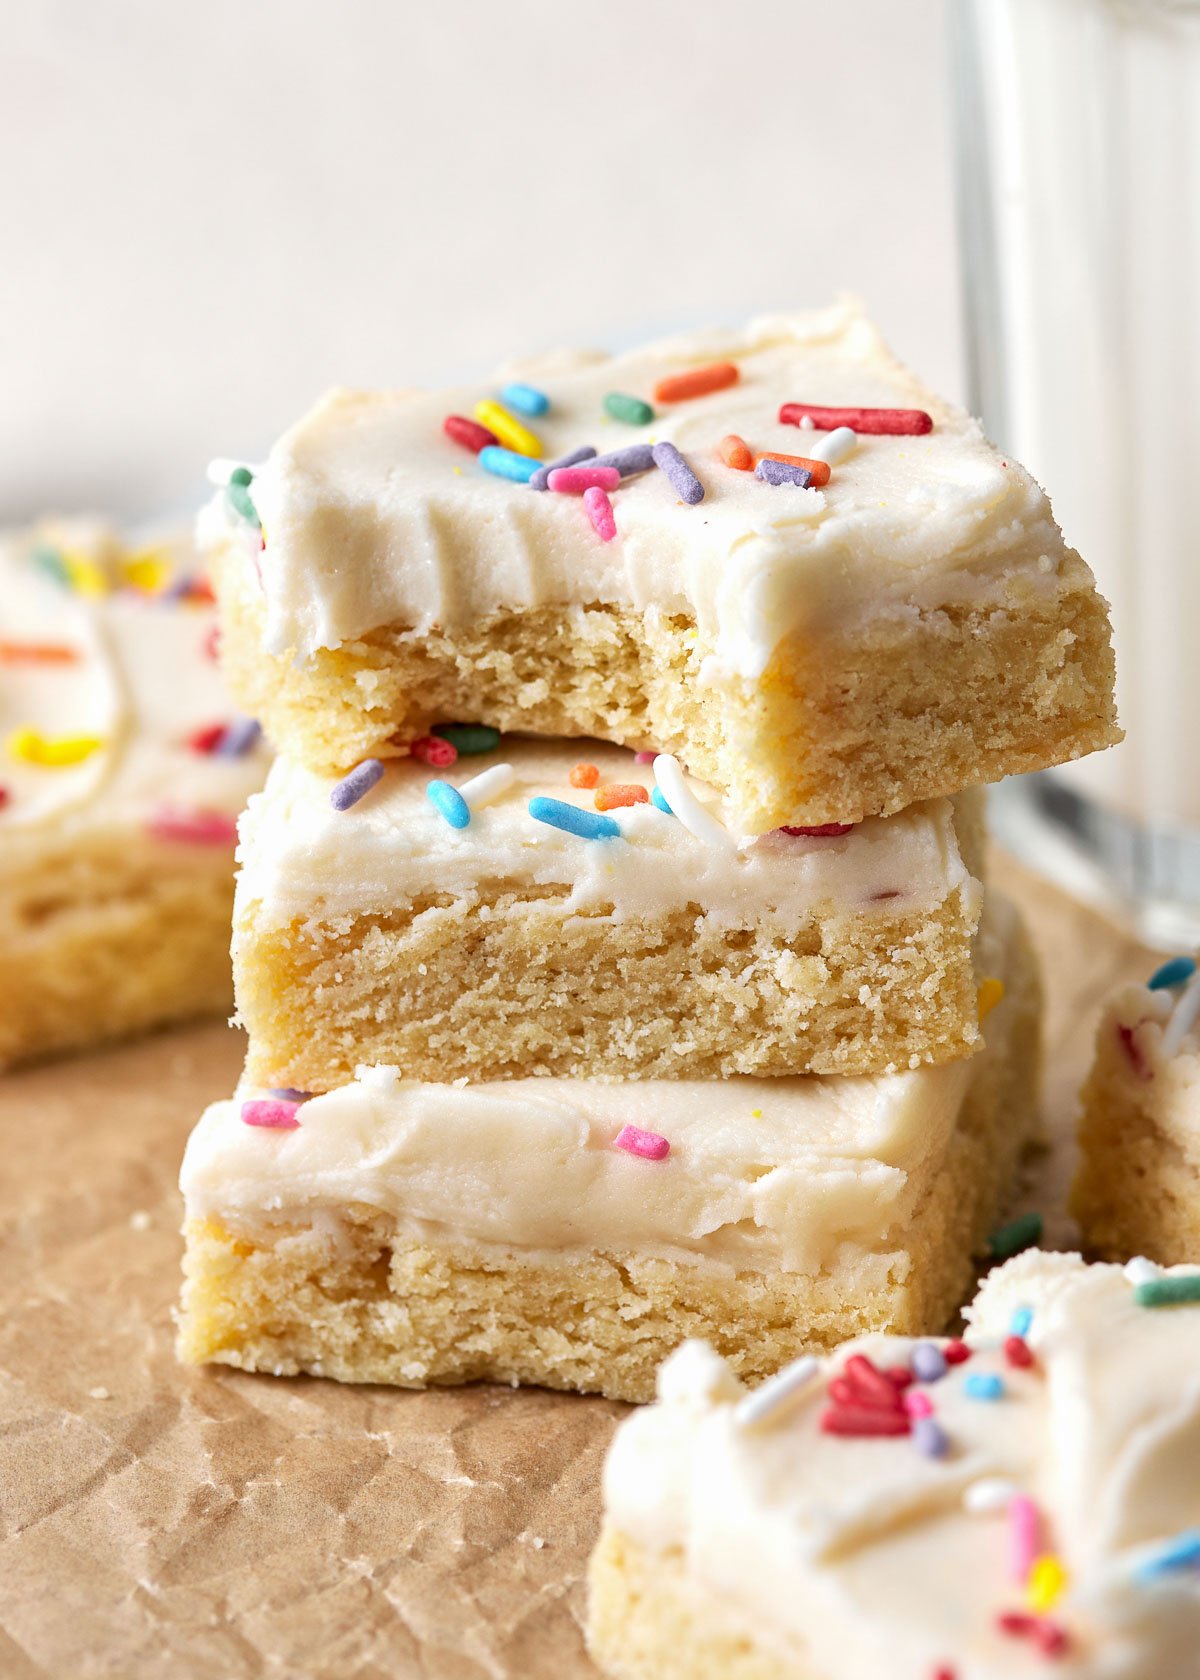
<point x="1169" y="1291"/>
<point x="243" y="502"/>
<point x="468" y="738"/>
<point x="241" y="475"/>
<point x="1019" y="1233"/>
<point x="50" y="561"/>
<point x="632" y="410"/>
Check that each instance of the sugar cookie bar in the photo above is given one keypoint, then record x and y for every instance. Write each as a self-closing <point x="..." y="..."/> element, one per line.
<point x="572" y="1233"/>
<point x="122" y="770"/>
<point x="1019" y="1502"/>
<point x="1137" y="1190"/>
<point x="821" y="643"/>
<point x="637" y="948"/>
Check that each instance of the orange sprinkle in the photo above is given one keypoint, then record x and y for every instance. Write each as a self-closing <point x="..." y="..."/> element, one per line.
<point x="37" y="653"/>
<point x="613" y="795"/>
<point x="818" y="469"/>
<point x="584" y="775"/>
<point x="698" y="382"/>
<point x="735" y="452"/>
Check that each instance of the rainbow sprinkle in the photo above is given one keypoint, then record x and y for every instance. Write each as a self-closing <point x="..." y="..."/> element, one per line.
<point x="1174" y="973"/>
<point x="696" y="382"/>
<point x="633" y="458"/>
<point x="270" y="1112"/>
<point x="573" y="481"/>
<point x="983" y="1385"/>
<point x="600" y="512"/>
<point x="507" y="463"/>
<point x="885" y="422"/>
<point x="526" y="399"/>
<point x="52" y="752"/>
<point x="1180" y="1290"/>
<point x="540" y="480"/>
<point x="651" y="1146"/>
<point x="449" y="803"/>
<point x="512" y="434"/>
<point x="631" y="410"/>
<point x="682" y="479"/>
<point x="774" y="472"/>
<point x="588" y="825"/>
<point x="468" y="739"/>
<point x="1023" y="1232"/>
<point x="1183" y="1552"/>
<point x="356" y="784"/>
<point x="770" y="1402"/>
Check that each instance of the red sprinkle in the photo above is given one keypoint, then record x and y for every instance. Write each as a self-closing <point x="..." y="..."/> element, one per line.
<point x="469" y="433"/>
<point x="5" y="796"/>
<point x="205" y="739"/>
<point x="884" y="422"/>
<point x="944" y="1673"/>
<point x="1132" y="1049"/>
<point x="1019" y="1623"/>
<point x="1018" y="1352"/>
<point x="613" y="795"/>
<point x="37" y="653"/>
<point x="900" y="1375"/>
<point x="736" y="452"/>
<point x="652" y="1146"/>
<point x="678" y="387"/>
<point x="212" y="642"/>
<point x="584" y="776"/>
<point x="864" y="1420"/>
<point x="870" y="1382"/>
<point x="432" y="750"/>
<point x="956" y="1352"/>
<point x="818" y="469"/>
<point x="274" y="1112"/>
<point x="197" y="828"/>
<point x="822" y="831"/>
<point x="1053" y="1640"/>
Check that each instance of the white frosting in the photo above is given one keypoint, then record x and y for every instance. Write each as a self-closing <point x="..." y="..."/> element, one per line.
<point x="868" y="1557"/>
<point x="142" y="681"/>
<point x="373" y="516"/>
<point x="301" y="858"/>
<point x="798" y="1174"/>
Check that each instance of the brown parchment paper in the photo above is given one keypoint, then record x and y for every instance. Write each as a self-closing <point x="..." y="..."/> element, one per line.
<point x="160" y="1521"/>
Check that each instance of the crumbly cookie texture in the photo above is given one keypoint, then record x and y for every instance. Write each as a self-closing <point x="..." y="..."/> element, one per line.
<point x="910" y="627"/>
<point x="513" y="948"/>
<point x="977" y="1509"/>
<point x="118" y="802"/>
<point x="572" y="1233"/>
<point x="1137" y="1189"/>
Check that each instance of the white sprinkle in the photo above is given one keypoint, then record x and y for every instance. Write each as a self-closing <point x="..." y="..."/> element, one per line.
<point x="139" y="1220"/>
<point x="989" y="1493"/>
<point x="837" y="446"/>
<point x="683" y="802"/>
<point x="488" y="785"/>
<point x="807" y="423"/>
<point x="1140" y="1270"/>
<point x="776" y="1397"/>
<point x="380" y="1079"/>
<point x="1183" y="1018"/>
<point x="99" y="1394"/>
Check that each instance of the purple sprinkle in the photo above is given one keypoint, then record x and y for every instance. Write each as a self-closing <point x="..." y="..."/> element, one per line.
<point x="241" y="735"/>
<point x="634" y="458"/>
<point x="930" y="1438"/>
<point x="179" y="590"/>
<point x="928" y="1362"/>
<point x="540" y="480"/>
<point x="683" y="480"/>
<point x="355" y="784"/>
<point x="782" y="472"/>
<point x="288" y="1093"/>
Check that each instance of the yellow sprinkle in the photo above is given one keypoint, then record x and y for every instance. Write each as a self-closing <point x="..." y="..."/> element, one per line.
<point x="1047" y="1579"/>
<point x="756" y="1114"/>
<point x="990" y="994"/>
<point x="52" y="752"/>
<point x="87" y="577"/>
<point x="507" y="428"/>
<point x="148" y="570"/>
<point x="458" y="470"/>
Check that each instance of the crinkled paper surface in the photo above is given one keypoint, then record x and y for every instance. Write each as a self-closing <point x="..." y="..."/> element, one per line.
<point x="161" y="1521"/>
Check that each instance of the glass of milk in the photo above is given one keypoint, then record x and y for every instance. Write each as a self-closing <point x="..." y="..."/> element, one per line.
<point x="1078" y="130"/>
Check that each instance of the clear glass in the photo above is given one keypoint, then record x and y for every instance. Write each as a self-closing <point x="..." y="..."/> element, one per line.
<point x="1078" y="147"/>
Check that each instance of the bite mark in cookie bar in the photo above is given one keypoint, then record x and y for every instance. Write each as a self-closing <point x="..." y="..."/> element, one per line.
<point x="881" y="625"/>
<point x="500" y="920"/>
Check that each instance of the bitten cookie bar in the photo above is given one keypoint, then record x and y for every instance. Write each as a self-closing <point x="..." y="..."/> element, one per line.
<point x="572" y="1233"/>
<point x="1021" y="1502"/>
<point x="122" y="771"/>
<point x="893" y="619"/>
<point x="1137" y="1191"/>
<point x="488" y="921"/>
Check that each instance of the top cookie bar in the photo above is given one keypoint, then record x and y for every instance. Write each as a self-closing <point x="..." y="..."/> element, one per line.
<point x="897" y="620"/>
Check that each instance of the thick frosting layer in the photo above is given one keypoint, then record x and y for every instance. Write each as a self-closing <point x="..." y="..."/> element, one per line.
<point x="127" y="664"/>
<point x="875" y="1559"/>
<point x="373" y="516"/>
<point x="301" y="858"/>
<point x="793" y="1173"/>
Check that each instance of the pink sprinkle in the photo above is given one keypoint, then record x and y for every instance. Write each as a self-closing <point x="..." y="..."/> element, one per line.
<point x="651" y="1145"/>
<point x="212" y="642"/>
<point x="644" y="757"/>
<point x="917" y="1404"/>
<point x="280" y="1116"/>
<point x="599" y="511"/>
<point x="1133" y="1050"/>
<point x="1024" y="1536"/>
<point x="573" y="481"/>
<point x="432" y="750"/>
<point x="195" y="828"/>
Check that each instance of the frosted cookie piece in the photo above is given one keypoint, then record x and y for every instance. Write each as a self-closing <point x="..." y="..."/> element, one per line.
<point x="974" y="1509"/>
<point x="123" y="767"/>
<point x="910" y="627"/>
<point x="513" y="947"/>
<point x="1137" y="1190"/>
<point x="572" y="1233"/>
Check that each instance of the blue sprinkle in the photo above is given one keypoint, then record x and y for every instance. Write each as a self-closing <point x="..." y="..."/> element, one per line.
<point x="1181" y="1553"/>
<point x="506" y="463"/>
<point x="634" y="458"/>
<point x="930" y="1438"/>
<point x="589" y="825"/>
<point x="526" y="399"/>
<point x="358" y="782"/>
<point x="656" y="798"/>
<point x="540" y="480"/>
<point x="238" y="739"/>
<point x="1020" y="1322"/>
<point x="928" y="1362"/>
<point x="683" y="480"/>
<point x="782" y="472"/>
<point x="983" y="1385"/>
<point x="1172" y="973"/>
<point x="449" y="803"/>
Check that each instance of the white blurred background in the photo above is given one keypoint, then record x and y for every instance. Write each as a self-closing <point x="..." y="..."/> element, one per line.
<point x="212" y="211"/>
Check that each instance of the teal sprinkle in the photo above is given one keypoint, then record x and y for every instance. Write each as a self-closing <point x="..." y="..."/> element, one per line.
<point x="468" y="738"/>
<point x="242" y="502"/>
<point x="1181" y="1290"/>
<point x="1183" y="1552"/>
<point x="1010" y="1239"/>
<point x="50" y="561"/>
<point x="632" y="410"/>
<point x="449" y="803"/>
<point x="588" y="825"/>
<point x="1172" y="973"/>
<point x="983" y="1385"/>
<point x="656" y="798"/>
<point x="241" y="475"/>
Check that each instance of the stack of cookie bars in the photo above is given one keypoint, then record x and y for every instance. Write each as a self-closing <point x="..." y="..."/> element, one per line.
<point x="611" y="934"/>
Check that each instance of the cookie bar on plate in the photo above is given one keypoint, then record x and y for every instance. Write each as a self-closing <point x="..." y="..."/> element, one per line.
<point x="122" y="772"/>
<point x="1022" y="1502"/>
<point x="572" y="1233"/>
<point x="895" y="618"/>
<point x="1137" y="1191"/>
<point x="523" y="931"/>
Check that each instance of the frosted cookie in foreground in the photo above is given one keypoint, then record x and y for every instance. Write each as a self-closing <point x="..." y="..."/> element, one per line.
<point x="572" y="1233"/>
<point x="1137" y="1191"/>
<point x="1020" y="1502"/>
<point x="532" y="911"/>
<point x="122" y="770"/>
<point x="789" y="565"/>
